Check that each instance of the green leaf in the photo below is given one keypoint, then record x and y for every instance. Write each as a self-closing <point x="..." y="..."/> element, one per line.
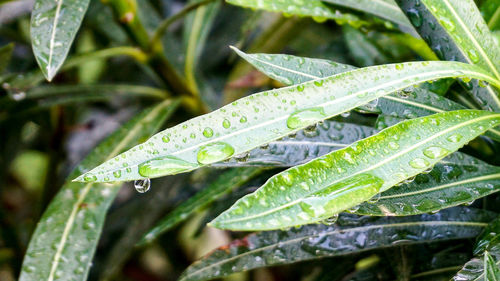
<point x="351" y="234"/>
<point x="489" y="240"/>
<point x="223" y="184"/>
<point x="362" y="50"/>
<point x="490" y="10"/>
<point x="311" y="8"/>
<point x="261" y="118"/>
<point x="5" y="55"/>
<point x="456" y="180"/>
<point x="409" y="103"/>
<point x="491" y="269"/>
<point x="66" y="236"/>
<point x="53" y="27"/>
<point x="342" y="179"/>
<point x="303" y="146"/>
<point x="455" y="30"/>
<point x="386" y="9"/>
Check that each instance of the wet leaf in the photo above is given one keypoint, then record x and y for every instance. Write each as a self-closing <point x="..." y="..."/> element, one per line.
<point x="64" y="242"/>
<point x="303" y="146"/>
<point x="351" y="234"/>
<point x="342" y="179"/>
<point x="456" y="31"/>
<point x="491" y="269"/>
<point x="225" y="183"/>
<point x="457" y="179"/>
<point x="311" y="8"/>
<point x="53" y="27"/>
<point x="263" y="117"/>
<point x="386" y="9"/>
<point x="361" y="49"/>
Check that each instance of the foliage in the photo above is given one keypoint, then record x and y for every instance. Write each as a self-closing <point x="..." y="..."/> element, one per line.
<point x="344" y="135"/>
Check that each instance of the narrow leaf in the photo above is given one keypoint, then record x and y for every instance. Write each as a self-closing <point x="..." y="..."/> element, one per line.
<point x="53" y="27"/>
<point x="456" y="31"/>
<point x="305" y="145"/>
<point x="311" y="8"/>
<point x="223" y="184"/>
<point x="66" y="237"/>
<point x="457" y="179"/>
<point x="351" y="234"/>
<point x="261" y="118"/>
<point x="344" y="178"/>
<point x="491" y="269"/>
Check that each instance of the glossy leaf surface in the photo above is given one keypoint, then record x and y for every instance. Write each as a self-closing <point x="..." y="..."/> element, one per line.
<point x="342" y="179"/>
<point x="455" y="30"/>
<point x="54" y="25"/>
<point x="305" y="145"/>
<point x="261" y="118"/>
<point x="66" y="237"/>
<point x="222" y="185"/>
<point x="350" y="234"/>
<point x="457" y="179"/>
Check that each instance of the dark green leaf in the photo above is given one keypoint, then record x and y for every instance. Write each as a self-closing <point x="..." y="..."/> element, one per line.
<point x="5" y="55"/>
<point x="351" y="234"/>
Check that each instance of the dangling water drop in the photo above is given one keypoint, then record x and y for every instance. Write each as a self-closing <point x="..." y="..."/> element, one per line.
<point x="143" y="185"/>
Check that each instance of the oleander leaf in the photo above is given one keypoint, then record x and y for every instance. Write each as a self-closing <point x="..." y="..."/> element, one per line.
<point x="490" y="9"/>
<point x="487" y="242"/>
<point x="351" y="234"/>
<point x="409" y="103"/>
<point x="386" y="9"/>
<point x="66" y="236"/>
<point x="456" y="180"/>
<point x="342" y="179"/>
<point x="5" y="56"/>
<point x="305" y="145"/>
<point x="225" y="183"/>
<point x="263" y="117"/>
<point x="456" y="31"/>
<point x="491" y="269"/>
<point x="361" y="49"/>
<point x="54" y="25"/>
<point x="311" y="8"/>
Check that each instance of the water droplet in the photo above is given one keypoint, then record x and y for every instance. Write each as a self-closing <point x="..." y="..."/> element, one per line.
<point x="331" y="220"/>
<point x="419" y="163"/>
<point x="300" y="88"/>
<point x="305" y="117"/>
<point x="243" y="119"/>
<point x="208" y="132"/>
<point x="117" y="174"/>
<point x="447" y="23"/>
<point x="415" y="17"/>
<point x="393" y="145"/>
<point x="143" y="185"/>
<point x="226" y="124"/>
<point x="345" y="114"/>
<point x="89" y="178"/>
<point x="454" y="138"/>
<point x="167" y="165"/>
<point x="214" y="152"/>
<point x="399" y="66"/>
<point x="374" y="199"/>
<point x="473" y="55"/>
<point x="434" y="152"/>
<point x="165" y="139"/>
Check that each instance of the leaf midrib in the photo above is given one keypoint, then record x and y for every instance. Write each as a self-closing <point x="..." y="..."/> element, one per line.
<point x="384" y="161"/>
<point x="52" y="38"/>
<point x="82" y="195"/>
<point x="360" y="229"/>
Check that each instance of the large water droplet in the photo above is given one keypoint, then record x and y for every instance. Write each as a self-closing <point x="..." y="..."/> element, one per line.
<point x="419" y="163"/>
<point x="89" y="178"/>
<point x="226" y="124"/>
<point x="435" y="152"/>
<point x="214" y="152"/>
<point x="167" y="165"/>
<point x="143" y="185"/>
<point x="208" y="132"/>
<point x="305" y="117"/>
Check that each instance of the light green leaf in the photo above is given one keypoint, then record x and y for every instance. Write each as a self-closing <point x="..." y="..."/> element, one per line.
<point x="351" y="234"/>
<point x="456" y="180"/>
<point x="342" y="179"/>
<point x="455" y="30"/>
<point x="66" y="237"/>
<point x="223" y="184"/>
<point x="310" y="8"/>
<point x="490" y="9"/>
<point x="53" y="27"/>
<point x="305" y="145"/>
<point x="261" y="118"/>
<point x="491" y="269"/>
<point x="409" y="103"/>
<point x="386" y="9"/>
<point x="5" y="55"/>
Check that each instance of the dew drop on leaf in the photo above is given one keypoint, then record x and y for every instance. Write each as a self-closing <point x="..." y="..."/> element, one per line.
<point x="419" y="163"/>
<point x="143" y="185"/>
<point x="164" y="165"/>
<point x="214" y="152"/>
<point x="434" y="152"/>
<point x="208" y="132"/>
<point x="454" y="138"/>
<point x="226" y="124"/>
<point x="89" y="178"/>
<point x="305" y="117"/>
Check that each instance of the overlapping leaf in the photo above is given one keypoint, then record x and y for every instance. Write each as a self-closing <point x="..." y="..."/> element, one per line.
<point x="65" y="239"/>
<point x="261" y="118"/>
<point x="455" y="30"/>
<point x="342" y="179"/>
<point x="303" y="146"/>
<point x="222" y="185"/>
<point x="457" y="179"/>
<point x="53" y="27"/>
<point x="351" y="234"/>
